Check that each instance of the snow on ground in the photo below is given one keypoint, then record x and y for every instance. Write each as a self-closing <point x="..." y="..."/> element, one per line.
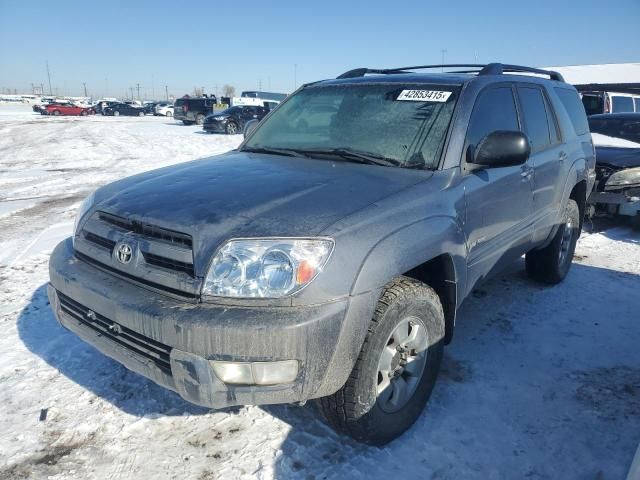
<point x="539" y="382"/>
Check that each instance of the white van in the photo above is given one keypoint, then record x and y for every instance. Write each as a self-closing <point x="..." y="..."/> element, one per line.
<point x="610" y="102"/>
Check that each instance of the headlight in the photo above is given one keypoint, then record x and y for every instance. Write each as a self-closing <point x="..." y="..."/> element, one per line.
<point x="630" y="176"/>
<point x="85" y="206"/>
<point x="219" y="119"/>
<point x="266" y="268"/>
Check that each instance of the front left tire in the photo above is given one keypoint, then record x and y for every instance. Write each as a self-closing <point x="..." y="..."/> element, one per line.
<point x="396" y="369"/>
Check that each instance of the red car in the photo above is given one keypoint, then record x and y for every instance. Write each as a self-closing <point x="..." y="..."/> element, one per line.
<point x="68" y="109"/>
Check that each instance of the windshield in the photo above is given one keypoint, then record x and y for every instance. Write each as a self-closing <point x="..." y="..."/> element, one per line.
<point x="621" y="128"/>
<point x="404" y="124"/>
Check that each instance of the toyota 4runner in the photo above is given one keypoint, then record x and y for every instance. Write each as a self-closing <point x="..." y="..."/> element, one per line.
<point x="326" y="257"/>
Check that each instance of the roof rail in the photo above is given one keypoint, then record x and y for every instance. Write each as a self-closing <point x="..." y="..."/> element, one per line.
<point x="482" y="69"/>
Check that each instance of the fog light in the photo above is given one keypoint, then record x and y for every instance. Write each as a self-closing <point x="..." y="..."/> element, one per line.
<point x="272" y="373"/>
<point x="230" y="372"/>
<point x="256" y="373"/>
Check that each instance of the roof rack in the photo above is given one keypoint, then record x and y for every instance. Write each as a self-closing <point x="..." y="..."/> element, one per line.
<point x="480" y="69"/>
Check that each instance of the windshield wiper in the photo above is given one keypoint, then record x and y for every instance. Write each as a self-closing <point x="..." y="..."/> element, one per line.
<point x="273" y="151"/>
<point x="354" y="156"/>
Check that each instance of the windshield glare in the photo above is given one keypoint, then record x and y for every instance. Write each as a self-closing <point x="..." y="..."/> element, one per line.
<point x="363" y="118"/>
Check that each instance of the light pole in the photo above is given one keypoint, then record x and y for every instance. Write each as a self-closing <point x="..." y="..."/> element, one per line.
<point x="49" y="77"/>
<point x="84" y="85"/>
<point x="166" y="92"/>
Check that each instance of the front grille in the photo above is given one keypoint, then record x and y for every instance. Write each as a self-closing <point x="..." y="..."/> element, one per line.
<point x="160" y="258"/>
<point x="139" y="280"/>
<point x="147" y="230"/>
<point x="168" y="263"/>
<point x="101" y="241"/>
<point x="146" y="347"/>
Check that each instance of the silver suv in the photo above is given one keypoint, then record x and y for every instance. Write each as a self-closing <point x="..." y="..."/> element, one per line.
<point x="326" y="257"/>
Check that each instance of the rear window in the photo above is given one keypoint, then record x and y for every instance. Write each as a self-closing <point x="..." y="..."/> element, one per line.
<point x="621" y="104"/>
<point x="574" y="108"/>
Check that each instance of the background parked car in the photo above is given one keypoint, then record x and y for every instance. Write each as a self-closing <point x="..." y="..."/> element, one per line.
<point x="617" y="125"/>
<point x="610" y="102"/>
<point x="617" y="141"/>
<point x="68" y="109"/>
<point x="101" y="105"/>
<point x="123" y="109"/>
<point x="149" y="108"/>
<point x="278" y="97"/>
<point x="164" y="109"/>
<point x="232" y="120"/>
<point x="40" y="108"/>
<point x="193" y="109"/>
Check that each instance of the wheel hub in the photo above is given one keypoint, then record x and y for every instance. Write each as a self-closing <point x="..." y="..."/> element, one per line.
<point x="401" y="364"/>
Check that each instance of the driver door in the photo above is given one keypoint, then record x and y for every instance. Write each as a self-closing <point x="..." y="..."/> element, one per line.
<point x="498" y="200"/>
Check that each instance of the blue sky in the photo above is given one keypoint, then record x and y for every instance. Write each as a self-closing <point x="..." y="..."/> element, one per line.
<point x="115" y="45"/>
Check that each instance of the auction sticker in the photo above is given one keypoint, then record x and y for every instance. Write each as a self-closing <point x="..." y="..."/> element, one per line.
<point x="424" y="95"/>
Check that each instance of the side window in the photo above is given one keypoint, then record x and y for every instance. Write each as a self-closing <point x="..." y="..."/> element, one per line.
<point x="593" y="103"/>
<point x="495" y="109"/>
<point x="574" y="108"/>
<point x="554" y="130"/>
<point x="636" y="101"/>
<point x="535" y="117"/>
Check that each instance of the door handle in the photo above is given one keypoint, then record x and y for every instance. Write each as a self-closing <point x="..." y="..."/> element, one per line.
<point x="526" y="173"/>
<point x="562" y="157"/>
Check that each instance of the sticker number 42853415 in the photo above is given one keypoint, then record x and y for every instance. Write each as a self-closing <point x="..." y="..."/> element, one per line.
<point x="424" y="95"/>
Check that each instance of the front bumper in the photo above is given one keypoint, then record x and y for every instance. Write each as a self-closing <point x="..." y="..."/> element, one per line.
<point x="623" y="202"/>
<point x="214" y="127"/>
<point x="171" y="342"/>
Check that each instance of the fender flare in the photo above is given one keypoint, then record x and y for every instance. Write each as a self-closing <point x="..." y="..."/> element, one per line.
<point x="410" y="246"/>
<point x="577" y="173"/>
<point x="414" y="245"/>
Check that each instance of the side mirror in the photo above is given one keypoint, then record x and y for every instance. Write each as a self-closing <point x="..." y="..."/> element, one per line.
<point x="250" y="126"/>
<point x="502" y="148"/>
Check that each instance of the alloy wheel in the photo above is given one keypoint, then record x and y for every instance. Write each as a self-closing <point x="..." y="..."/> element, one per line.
<point x="401" y="364"/>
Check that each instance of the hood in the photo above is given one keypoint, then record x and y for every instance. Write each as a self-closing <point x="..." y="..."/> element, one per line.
<point x="618" y="157"/>
<point x="216" y="116"/>
<point x="241" y="194"/>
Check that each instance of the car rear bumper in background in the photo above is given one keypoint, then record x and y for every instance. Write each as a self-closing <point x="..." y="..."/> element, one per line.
<point x="172" y="342"/>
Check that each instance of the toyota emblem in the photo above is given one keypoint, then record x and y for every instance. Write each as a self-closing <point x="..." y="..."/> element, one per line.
<point x="124" y="252"/>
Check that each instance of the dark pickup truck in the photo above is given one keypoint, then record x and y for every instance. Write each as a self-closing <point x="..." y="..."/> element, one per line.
<point x="327" y="256"/>
<point x="192" y="110"/>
